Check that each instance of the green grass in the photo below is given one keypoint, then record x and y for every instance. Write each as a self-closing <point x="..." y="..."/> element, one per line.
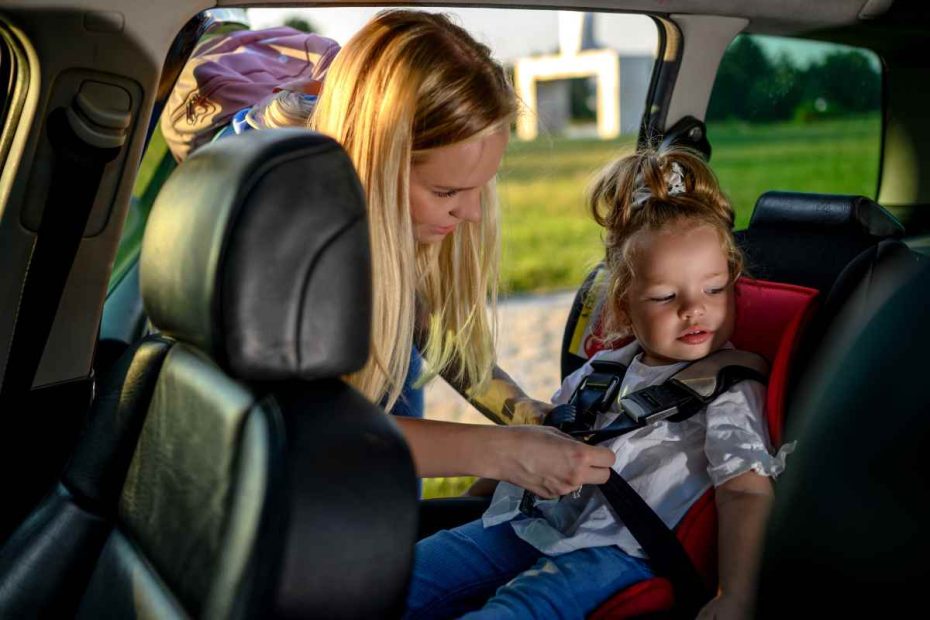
<point x="550" y="240"/>
<point x="446" y="487"/>
<point x="154" y="169"/>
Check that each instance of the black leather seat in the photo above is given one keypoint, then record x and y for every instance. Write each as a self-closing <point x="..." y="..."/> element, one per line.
<point x="808" y="239"/>
<point x="847" y="536"/>
<point x="227" y="471"/>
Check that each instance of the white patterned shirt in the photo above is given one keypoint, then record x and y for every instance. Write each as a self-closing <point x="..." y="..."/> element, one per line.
<point x="670" y="464"/>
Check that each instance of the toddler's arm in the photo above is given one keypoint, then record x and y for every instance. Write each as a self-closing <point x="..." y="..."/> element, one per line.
<point x="743" y="505"/>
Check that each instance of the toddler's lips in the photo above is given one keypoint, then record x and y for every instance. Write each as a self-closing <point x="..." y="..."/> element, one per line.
<point x="697" y="336"/>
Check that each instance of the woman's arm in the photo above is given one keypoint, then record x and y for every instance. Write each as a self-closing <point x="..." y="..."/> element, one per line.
<point x="503" y="402"/>
<point x="743" y="505"/>
<point x="538" y="458"/>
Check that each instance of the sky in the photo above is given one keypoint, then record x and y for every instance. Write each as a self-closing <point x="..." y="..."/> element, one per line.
<point x="633" y="35"/>
<point x="629" y="34"/>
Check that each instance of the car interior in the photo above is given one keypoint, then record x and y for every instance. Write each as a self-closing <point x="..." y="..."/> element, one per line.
<point x="226" y="470"/>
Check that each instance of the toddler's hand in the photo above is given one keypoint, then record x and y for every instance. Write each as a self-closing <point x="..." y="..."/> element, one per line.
<point x="549" y="463"/>
<point x="723" y="607"/>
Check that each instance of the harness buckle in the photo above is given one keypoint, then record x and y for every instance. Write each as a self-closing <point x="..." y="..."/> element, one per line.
<point x="658" y="402"/>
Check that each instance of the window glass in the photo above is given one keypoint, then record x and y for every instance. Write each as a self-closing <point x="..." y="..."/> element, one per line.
<point x="795" y="115"/>
<point x="582" y="80"/>
<point x="549" y="239"/>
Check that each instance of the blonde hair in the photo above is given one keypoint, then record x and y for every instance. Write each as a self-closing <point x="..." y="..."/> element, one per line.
<point x="634" y="194"/>
<point x="406" y="83"/>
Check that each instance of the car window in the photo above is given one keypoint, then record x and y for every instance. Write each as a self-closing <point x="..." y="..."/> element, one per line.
<point x="583" y="80"/>
<point x="787" y="114"/>
<point x="157" y="161"/>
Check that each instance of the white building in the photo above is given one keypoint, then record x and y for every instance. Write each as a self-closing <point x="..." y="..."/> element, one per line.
<point x="621" y="81"/>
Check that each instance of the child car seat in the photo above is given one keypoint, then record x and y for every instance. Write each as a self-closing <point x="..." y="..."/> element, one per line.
<point x="769" y="319"/>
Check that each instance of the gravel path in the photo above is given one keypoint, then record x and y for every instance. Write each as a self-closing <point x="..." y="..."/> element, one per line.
<point x="529" y="339"/>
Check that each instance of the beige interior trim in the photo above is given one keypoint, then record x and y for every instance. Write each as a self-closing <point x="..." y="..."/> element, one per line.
<point x="705" y="38"/>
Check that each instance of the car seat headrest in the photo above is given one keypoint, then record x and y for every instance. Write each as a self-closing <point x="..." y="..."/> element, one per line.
<point x="256" y="252"/>
<point x="797" y="210"/>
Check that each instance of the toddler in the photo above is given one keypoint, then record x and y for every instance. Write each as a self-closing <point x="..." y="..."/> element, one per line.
<point x="672" y="263"/>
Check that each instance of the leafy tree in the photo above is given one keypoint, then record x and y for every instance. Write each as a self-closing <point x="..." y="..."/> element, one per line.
<point x="741" y="84"/>
<point x="299" y="23"/>
<point x="751" y="86"/>
<point x="846" y="81"/>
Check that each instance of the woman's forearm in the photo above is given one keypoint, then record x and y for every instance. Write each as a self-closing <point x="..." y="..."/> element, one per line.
<point x="442" y="449"/>
<point x="538" y="458"/>
<point x="504" y="402"/>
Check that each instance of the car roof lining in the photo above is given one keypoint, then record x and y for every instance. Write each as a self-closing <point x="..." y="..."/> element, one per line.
<point x="765" y="16"/>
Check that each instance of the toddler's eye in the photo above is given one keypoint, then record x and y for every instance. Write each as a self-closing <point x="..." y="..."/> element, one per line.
<point x="716" y="290"/>
<point x="449" y="194"/>
<point x="663" y="298"/>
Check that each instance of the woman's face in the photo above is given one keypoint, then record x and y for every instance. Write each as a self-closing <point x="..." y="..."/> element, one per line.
<point x="446" y="183"/>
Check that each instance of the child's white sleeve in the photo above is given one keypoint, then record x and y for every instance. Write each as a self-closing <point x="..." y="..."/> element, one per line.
<point x="737" y="438"/>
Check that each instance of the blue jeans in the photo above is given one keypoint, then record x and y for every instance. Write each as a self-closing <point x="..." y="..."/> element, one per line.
<point x="456" y="571"/>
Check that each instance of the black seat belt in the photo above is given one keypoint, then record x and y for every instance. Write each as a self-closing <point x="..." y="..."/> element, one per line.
<point x="77" y="169"/>
<point x="683" y="395"/>
<point x="35" y="442"/>
<point x="665" y="551"/>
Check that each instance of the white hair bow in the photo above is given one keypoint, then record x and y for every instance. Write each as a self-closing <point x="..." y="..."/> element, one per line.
<point x="674" y="182"/>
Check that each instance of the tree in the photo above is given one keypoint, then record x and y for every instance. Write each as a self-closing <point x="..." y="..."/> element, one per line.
<point x="846" y="81"/>
<point x="743" y="83"/>
<point x="299" y="23"/>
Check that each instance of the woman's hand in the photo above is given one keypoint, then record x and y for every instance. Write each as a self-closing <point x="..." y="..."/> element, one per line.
<point x="547" y="462"/>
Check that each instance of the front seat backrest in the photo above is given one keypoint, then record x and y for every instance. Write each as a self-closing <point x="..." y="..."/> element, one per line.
<point x="847" y="534"/>
<point x="260" y="484"/>
<point x="807" y="239"/>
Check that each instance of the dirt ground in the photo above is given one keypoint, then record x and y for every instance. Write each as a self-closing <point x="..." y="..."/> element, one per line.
<point x="529" y="338"/>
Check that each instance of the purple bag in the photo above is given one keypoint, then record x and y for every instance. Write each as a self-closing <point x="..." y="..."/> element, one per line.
<point x="235" y="71"/>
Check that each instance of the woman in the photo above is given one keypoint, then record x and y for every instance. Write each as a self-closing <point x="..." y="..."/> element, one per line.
<point x="424" y="112"/>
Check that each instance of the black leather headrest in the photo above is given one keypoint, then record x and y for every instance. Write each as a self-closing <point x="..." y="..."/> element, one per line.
<point x="256" y="252"/>
<point x="810" y="212"/>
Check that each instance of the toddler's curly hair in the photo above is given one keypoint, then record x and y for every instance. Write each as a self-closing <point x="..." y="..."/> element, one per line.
<point x="654" y="189"/>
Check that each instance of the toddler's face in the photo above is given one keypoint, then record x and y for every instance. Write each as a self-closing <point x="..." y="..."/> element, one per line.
<point x="680" y="302"/>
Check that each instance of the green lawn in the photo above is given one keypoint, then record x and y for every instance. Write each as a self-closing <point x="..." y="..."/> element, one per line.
<point x="550" y="240"/>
